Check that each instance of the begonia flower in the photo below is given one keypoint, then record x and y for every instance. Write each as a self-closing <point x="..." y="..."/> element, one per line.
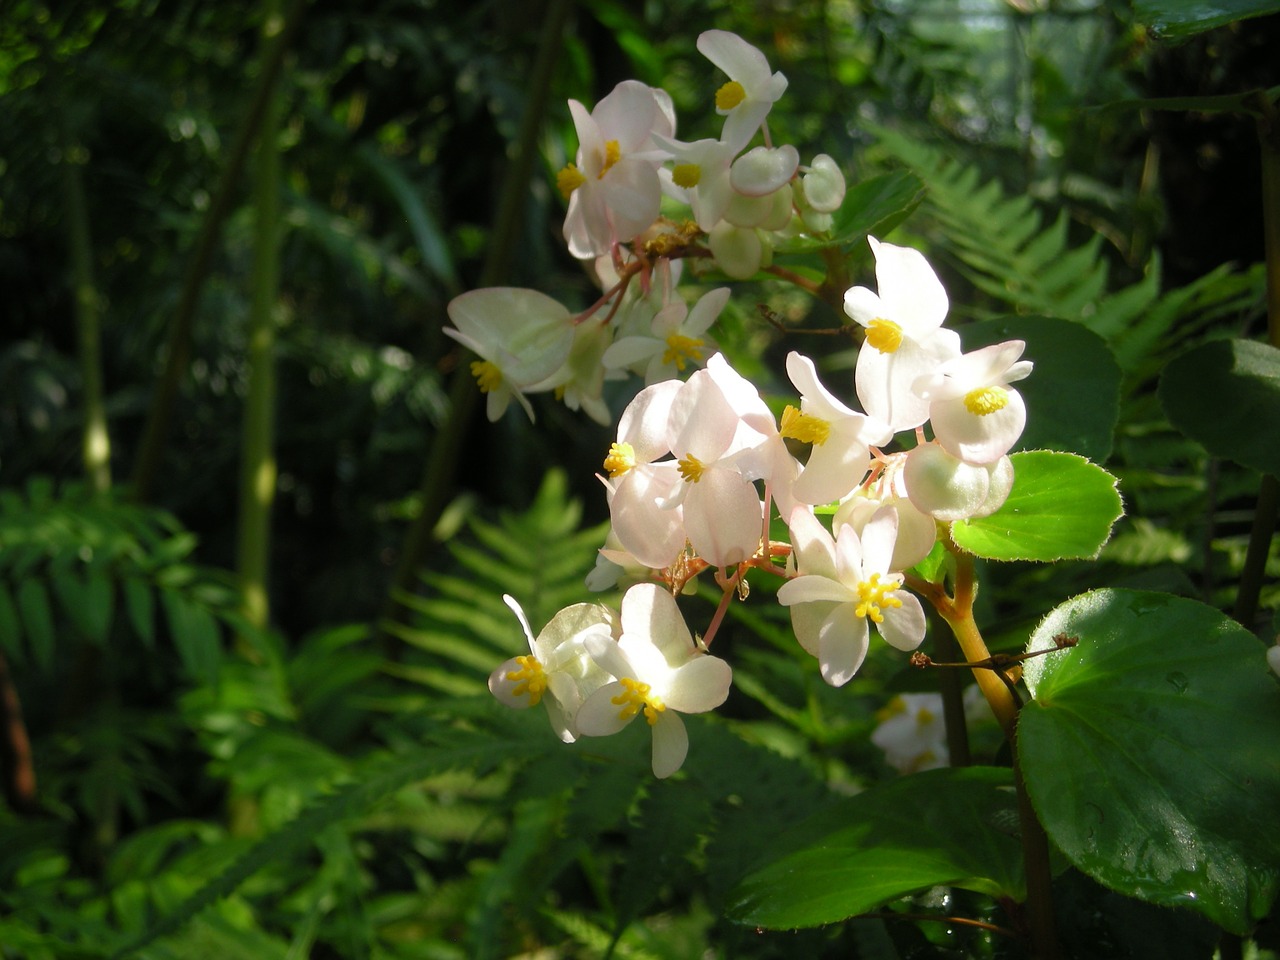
<point x="579" y="383"/>
<point x="657" y="672"/>
<point x="975" y="415"/>
<point x="700" y="177"/>
<point x="521" y="336"/>
<point x="752" y="89"/>
<point x="676" y="339"/>
<point x="905" y="337"/>
<point x="917" y="530"/>
<point x="557" y="670"/>
<point x="842" y="587"/>
<point x="840" y="437"/>
<point x="612" y="187"/>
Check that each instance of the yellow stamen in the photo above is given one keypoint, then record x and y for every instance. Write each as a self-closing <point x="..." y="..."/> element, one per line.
<point x="872" y="595"/>
<point x="924" y="717"/>
<point x="986" y="400"/>
<point x="804" y="427"/>
<point x="691" y="468"/>
<point x="686" y="175"/>
<point x="636" y="697"/>
<point x="569" y="179"/>
<point x="621" y="458"/>
<point x="487" y="375"/>
<point x="682" y="349"/>
<point x="730" y="95"/>
<point x="612" y="154"/>
<point x="891" y="709"/>
<point x="530" y="679"/>
<point x="884" y="335"/>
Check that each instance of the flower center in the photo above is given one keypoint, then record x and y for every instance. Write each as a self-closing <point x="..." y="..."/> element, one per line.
<point x="621" y="458"/>
<point x="682" y="349"/>
<point x="691" y="468"/>
<point x="730" y="95"/>
<point x="884" y="335"/>
<point x="569" y="179"/>
<point x="530" y="679"/>
<point x="804" y="427"/>
<point x="635" y="697"/>
<point x="612" y="154"/>
<point x="872" y="595"/>
<point x="487" y="375"/>
<point x="686" y="175"/>
<point x="986" y="400"/>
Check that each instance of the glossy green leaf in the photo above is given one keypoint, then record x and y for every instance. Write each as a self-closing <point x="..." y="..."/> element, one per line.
<point x="37" y="618"/>
<point x="1072" y="395"/>
<point x="1183" y="18"/>
<point x="1226" y="396"/>
<point x="949" y="826"/>
<point x="195" y="635"/>
<point x="1150" y="752"/>
<point x="1061" y="507"/>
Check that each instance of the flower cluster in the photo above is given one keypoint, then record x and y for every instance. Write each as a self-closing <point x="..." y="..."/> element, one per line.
<point x="701" y="466"/>
<point x="740" y="198"/>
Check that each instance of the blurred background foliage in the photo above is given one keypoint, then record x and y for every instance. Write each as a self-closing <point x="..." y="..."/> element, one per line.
<point x="341" y="783"/>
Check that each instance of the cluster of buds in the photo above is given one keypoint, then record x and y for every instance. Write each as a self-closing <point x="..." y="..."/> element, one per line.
<point x="701" y="465"/>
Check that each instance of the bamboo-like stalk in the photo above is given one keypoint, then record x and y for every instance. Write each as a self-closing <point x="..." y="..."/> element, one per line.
<point x="437" y="478"/>
<point x="257" y="440"/>
<point x="87" y="304"/>
<point x="181" y="328"/>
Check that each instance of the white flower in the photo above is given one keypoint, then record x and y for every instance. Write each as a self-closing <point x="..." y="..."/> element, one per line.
<point x="521" y="336"/>
<point x="557" y="670"/>
<point x="912" y="732"/>
<point x="844" y="585"/>
<point x="840" y="437"/>
<point x="752" y="89"/>
<point x="639" y="488"/>
<point x="975" y="415"/>
<point x="905" y="338"/>
<point x="613" y="188"/>
<point x="917" y="531"/>
<point x="700" y="177"/>
<point x="677" y="338"/>
<point x="658" y="673"/>
<point x="580" y="381"/>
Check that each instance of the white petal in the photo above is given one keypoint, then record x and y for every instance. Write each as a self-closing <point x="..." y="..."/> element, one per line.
<point x="644" y="422"/>
<point x="739" y="59"/>
<point x="501" y="687"/>
<point x="599" y="716"/>
<point x="649" y="612"/>
<point x="700" y="685"/>
<point x="738" y="252"/>
<point x="514" y="604"/>
<point x="653" y="535"/>
<point x="903" y="626"/>
<point x="824" y="186"/>
<point x="814" y="548"/>
<point x="723" y="517"/>
<point x="809" y="588"/>
<point x="670" y="744"/>
<point x="910" y="290"/>
<point x="842" y="645"/>
<point x="943" y="486"/>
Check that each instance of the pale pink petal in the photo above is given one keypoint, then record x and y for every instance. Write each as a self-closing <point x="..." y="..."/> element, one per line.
<point x="808" y="589"/>
<point x="670" y="744"/>
<point x="599" y="716"/>
<point x="842" y="645"/>
<point x="903" y="626"/>
<point x="700" y="685"/>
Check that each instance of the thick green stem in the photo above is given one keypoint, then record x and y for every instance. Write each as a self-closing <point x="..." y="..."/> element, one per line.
<point x="442" y="461"/>
<point x="181" y="328"/>
<point x="257" y="453"/>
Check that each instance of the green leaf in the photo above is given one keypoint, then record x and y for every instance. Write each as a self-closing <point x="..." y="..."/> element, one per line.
<point x="872" y="207"/>
<point x="1073" y="395"/>
<point x="1183" y="18"/>
<point x="1226" y="396"/>
<point x="140" y="603"/>
<point x="37" y="617"/>
<point x="195" y="635"/>
<point x="953" y="826"/>
<point x="1150" y="752"/>
<point x="87" y="601"/>
<point x="1061" y="507"/>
